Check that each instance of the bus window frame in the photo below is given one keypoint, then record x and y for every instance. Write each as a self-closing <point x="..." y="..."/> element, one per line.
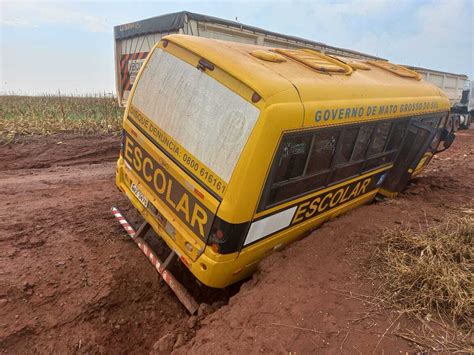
<point x="334" y="166"/>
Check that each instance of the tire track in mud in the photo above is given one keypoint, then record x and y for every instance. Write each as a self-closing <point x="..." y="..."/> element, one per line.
<point x="70" y="280"/>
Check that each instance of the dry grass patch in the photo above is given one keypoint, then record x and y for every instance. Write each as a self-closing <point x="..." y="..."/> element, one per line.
<point x="50" y="114"/>
<point x="428" y="275"/>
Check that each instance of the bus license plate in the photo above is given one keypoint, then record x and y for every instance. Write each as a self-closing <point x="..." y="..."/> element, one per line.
<point x="139" y="195"/>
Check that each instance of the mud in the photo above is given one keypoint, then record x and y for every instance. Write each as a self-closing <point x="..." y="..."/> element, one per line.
<point x="71" y="281"/>
<point x="316" y="296"/>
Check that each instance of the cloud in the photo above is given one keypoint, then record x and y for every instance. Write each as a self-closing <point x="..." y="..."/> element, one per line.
<point x="440" y="38"/>
<point x="15" y="22"/>
<point x="38" y="14"/>
<point x="336" y="23"/>
<point x="437" y="34"/>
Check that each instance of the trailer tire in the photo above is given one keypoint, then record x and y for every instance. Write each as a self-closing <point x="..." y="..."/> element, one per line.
<point x="464" y="121"/>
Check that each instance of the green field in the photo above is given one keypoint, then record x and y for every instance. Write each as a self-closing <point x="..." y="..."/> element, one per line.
<point x="49" y="114"/>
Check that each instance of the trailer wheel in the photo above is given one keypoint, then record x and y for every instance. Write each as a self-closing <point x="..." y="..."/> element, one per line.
<point x="464" y="121"/>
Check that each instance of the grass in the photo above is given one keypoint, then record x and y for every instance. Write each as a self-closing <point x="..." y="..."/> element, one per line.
<point x="428" y="275"/>
<point x="49" y="114"/>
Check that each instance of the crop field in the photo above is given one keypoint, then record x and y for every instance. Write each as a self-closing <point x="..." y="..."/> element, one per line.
<point x="48" y="114"/>
<point x="393" y="276"/>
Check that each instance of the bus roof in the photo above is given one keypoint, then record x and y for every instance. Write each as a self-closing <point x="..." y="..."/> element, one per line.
<point x="269" y="78"/>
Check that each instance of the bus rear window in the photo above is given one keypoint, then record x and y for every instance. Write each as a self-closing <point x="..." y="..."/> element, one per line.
<point x="205" y="117"/>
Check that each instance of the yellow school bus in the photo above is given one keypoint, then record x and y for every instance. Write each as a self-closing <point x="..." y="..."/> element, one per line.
<point x="231" y="151"/>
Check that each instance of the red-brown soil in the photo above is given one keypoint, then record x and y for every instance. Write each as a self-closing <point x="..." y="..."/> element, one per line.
<point x="71" y="281"/>
<point x="310" y="298"/>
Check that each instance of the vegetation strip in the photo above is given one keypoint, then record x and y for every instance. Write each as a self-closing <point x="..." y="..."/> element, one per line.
<point x="49" y="114"/>
<point x="428" y="275"/>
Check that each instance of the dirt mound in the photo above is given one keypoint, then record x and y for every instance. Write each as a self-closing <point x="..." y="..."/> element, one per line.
<point x="60" y="150"/>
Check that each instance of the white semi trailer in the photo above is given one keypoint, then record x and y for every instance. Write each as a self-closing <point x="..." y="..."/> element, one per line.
<point x="459" y="91"/>
<point x="134" y="40"/>
<point x="451" y="84"/>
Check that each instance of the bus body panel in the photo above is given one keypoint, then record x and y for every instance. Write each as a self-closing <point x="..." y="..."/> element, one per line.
<point x="224" y="274"/>
<point x="251" y="171"/>
<point x="337" y="112"/>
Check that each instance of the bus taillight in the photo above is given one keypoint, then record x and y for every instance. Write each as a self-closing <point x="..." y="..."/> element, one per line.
<point x="219" y="234"/>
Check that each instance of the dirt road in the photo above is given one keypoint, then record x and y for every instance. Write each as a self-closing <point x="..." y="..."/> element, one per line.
<point x="70" y="280"/>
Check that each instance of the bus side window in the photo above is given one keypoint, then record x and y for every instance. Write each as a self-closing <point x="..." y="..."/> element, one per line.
<point x="306" y="163"/>
<point x="431" y="121"/>
<point x="397" y="135"/>
<point x="321" y="159"/>
<point x="385" y="144"/>
<point x="348" y="141"/>
<point x="380" y="138"/>
<point x="293" y="155"/>
<point x="387" y="137"/>
<point x="362" y="143"/>
<point x="302" y="170"/>
<point x="344" y="170"/>
<point x="322" y="151"/>
<point x="346" y="164"/>
<point x="442" y="121"/>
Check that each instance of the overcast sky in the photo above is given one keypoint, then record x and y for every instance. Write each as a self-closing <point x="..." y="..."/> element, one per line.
<point x="68" y="45"/>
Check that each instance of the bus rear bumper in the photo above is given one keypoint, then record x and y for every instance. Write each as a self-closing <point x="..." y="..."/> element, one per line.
<point x="137" y="236"/>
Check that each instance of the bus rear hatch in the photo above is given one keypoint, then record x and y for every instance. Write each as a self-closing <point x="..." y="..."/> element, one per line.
<point x="184" y="133"/>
